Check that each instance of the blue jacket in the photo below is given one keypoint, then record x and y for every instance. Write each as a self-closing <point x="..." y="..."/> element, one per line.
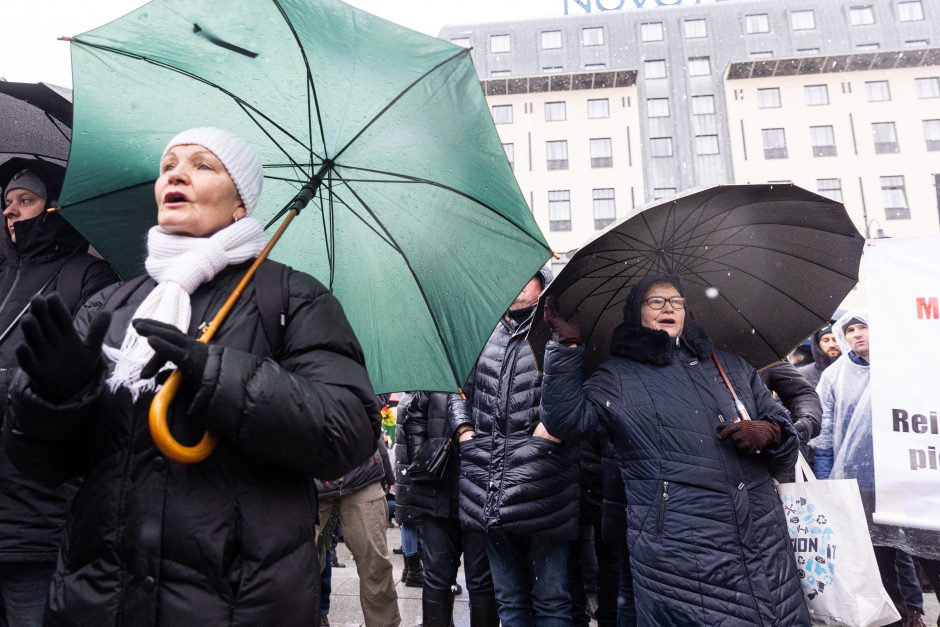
<point x="707" y="535"/>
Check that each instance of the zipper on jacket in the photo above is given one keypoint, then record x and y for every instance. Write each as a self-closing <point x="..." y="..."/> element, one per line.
<point x="662" y="509"/>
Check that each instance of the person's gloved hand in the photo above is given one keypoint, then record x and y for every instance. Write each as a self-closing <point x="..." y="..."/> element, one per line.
<point x="59" y="362"/>
<point x="171" y="344"/>
<point x="751" y="436"/>
<point x="804" y="430"/>
<point x="565" y="332"/>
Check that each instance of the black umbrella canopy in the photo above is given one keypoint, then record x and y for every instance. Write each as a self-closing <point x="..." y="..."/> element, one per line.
<point x="764" y="266"/>
<point x="36" y="122"/>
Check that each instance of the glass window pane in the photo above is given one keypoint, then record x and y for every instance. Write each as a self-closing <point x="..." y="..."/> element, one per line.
<point x="654" y="69"/>
<point x="695" y="29"/>
<point x="932" y="134"/>
<point x="510" y="154"/>
<point x="916" y="43"/>
<point x="598" y="108"/>
<point x="559" y="210"/>
<point x="499" y="43"/>
<point x="911" y="11"/>
<point x="762" y="54"/>
<point x="768" y="98"/>
<point x="552" y="69"/>
<point x="894" y="196"/>
<point x="706" y="144"/>
<point x="555" y="111"/>
<point x="557" y="154"/>
<point x="823" y="140"/>
<point x="592" y="36"/>
<point x="651" y="31"/>
<point x="602" y="153"/>
<point x="551" y="39"/>
<point x="867" y="46"/>
<point x="816" y="94"/>
<point x="657" y="107"/>
<point x="500" y="72"/>
<point x="660" y="146"/>
<point x="699" y="66"/>
<point x="463" y="42"/>
<point x="502" y="114"/>
<point x="928" y="87"/>
<point x="861" y="15"/>
<point x="605" y="207"/>
<point x="703" y="105"/>
<point x="759" y="23"/>
<point x="830" y="188"/>
<point x="877" y="91"/>
<point x="775" y="143"/>
<point x="803" y="20"/>
<point x="663" y="192"/>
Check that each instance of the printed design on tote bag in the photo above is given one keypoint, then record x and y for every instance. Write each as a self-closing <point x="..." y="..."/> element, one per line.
<point x="811" y="537"/>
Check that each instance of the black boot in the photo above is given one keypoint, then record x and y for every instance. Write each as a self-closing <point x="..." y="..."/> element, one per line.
<point x="484" y="615"/>
<point x="435" y="613"/>
<point x="414" y="573"/>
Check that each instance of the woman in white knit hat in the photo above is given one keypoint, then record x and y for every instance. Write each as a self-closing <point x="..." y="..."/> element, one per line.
<point x="229" y="540"/>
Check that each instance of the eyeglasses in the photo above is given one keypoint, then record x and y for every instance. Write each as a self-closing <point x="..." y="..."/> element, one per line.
<point x="658" y="302"/>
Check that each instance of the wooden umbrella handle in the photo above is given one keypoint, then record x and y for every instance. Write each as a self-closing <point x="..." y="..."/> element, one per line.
<point x="163" y="399"/>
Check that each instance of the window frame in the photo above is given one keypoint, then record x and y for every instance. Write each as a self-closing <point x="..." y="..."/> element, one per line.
<point x="605" y="160"/>
<point x="885" y="147"/>
<point x="664" y="141"/>
<point x="761" y="100"/>
<point x="823" y="149"/>
<point x="864" y="11"/>
<point x="542" y="35"/>
<point x="918" y="3"/>
<point x="802" y="12"/>
<point x="828" y="190"/>
<point x="559" y="204"/>
<point x="606" y="102"/>
<point x="700" y="147"/>
<point x="502" y="108"/>
<point x="648" y="63"/>
<point x="604" y="222"/>
<point x="699" y="61"/>
<point x="747" y="22"/>
<point x="662" y="32"/>
<point x="556" y="164"/>
<point x="593" y="29"/>
<point x="709" y="97"/>
<point x="872" y="93"/>
<point x="501" y="37"/>
<point x="889" y="190"/>
<point x="552" y="106"/>
<point x="776" y="151"/>
<point x="698" y="21"/>
<point x="821" y="88"/>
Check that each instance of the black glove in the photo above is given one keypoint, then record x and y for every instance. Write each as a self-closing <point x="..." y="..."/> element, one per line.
<point x="804" y="429"/>
<point x="751" y="436"/>
<point x="564" y="332"/>
<point x="58" y="361"/>
<point x="171" y="344"/>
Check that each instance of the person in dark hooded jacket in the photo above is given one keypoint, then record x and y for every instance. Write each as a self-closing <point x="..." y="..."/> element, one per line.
<point x="517" y="482"/>
<point x="42" y="253"/>
<point x="707" y="534"/>
<point x="826" y="350"/>
<point x="229" y="540"/>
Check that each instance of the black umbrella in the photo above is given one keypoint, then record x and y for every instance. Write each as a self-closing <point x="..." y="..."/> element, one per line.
<point x="35" y="126"/>
<point x="764" y="267"/>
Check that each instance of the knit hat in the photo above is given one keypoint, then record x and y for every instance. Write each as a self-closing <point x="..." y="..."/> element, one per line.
<point x="28" y="180"/>
<point x="823" y="331"/>
<point x="236" y="155"/>
<point x="851" y="321"/>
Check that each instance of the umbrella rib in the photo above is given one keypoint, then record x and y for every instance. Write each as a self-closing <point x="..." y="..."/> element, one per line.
<point x="112" y="192"/>
<point x="285" y="179"/>
<point x="417" y="179"/>
<point x="394" y="100"/>
<point x="311" y="86"/>
<point x="648" y="266"/>
<point x="33" y="154"/>
<point x="196" y="78"/>
<point x="56" y="123"/>
<point x="414" y="275"/>
<point x="361" y="219"/>
<point x="332" y="255"/>
<point x="273" y="141"/>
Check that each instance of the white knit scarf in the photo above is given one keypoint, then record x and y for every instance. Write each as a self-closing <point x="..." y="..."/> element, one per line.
<point x="179" y="264"/>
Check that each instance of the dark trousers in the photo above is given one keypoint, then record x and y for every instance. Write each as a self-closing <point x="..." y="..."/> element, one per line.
<point x="443" y="541"/>
<point x="909" y="581"/>
<point x="886" y="556"/>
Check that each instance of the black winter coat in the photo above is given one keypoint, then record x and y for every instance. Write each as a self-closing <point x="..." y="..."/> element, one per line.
<point x="509" y="479"/>
<point x="797" y="395"/>
<point x="32" y="515"/>
<point x="423" y="418"/>
<point x="707" y="535"/>
<point x="229" y="541"/>
<point x="365" y="474"/>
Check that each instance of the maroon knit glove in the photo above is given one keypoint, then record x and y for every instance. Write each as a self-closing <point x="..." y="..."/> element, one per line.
<point x="751" y="436"/>
<point x="564" y="331"/>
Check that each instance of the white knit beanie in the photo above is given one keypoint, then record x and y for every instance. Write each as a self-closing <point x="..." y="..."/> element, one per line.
<point x="235" y="154"/>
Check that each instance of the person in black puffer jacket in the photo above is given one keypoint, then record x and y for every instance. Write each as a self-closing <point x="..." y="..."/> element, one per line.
<point x="39" y="249"/>
<point x="425" y="426"/>
<point x="707" y="534"/>
<point x="230" y="540"/>
<point x="517" y="482"/>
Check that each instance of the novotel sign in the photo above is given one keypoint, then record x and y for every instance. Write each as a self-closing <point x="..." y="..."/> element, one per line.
<point x="587" y="6"/>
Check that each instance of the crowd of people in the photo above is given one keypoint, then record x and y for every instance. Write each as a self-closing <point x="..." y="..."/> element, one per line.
<point x="638" y="494"/>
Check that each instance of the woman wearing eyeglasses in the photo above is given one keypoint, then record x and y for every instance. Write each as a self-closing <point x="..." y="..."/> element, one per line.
<point x="706" y="532"/>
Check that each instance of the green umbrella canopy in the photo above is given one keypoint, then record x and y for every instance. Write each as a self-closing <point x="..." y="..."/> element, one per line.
<point x="418" y="227"/>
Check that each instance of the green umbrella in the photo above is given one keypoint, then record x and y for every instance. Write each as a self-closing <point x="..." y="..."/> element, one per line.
<point x="416" y="224"/>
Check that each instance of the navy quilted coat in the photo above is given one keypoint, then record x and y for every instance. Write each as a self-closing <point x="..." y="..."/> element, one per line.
<point x="510" y="479"/>
<point x="707" y="535"/>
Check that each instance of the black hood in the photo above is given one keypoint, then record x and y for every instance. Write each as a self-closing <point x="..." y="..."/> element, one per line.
<point x="656" y="347"/>
<point x="631" y="307"/>
<point x="38" y="240"/>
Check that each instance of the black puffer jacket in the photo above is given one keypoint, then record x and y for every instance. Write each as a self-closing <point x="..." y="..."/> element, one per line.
<point x="707" y="535"/>
<point x="509" y="479"/>
<point x="229" y="541"/>
<point x="797" y="396"/>
<point x="32" y="515"/>
<point x="423" y="418"/>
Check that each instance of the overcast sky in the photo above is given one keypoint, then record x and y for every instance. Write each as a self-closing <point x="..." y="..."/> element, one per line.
<point x="29" y="50"/>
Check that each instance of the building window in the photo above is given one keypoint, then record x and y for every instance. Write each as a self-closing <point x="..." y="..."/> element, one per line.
<point x="867" y="46"/>
<point x="655" y="68"/>
<point x="775" y="143"/>
<point x="816" y="95"/>
<point x="916" y="43"/>
<point x="861" y="15"/>
<point x="911" y="11"/>
<point x="595" y="66"/>
<point x="500" y="72"/>
<point x="757" y="23"/>
<point x="823" y="140"/>
<point x="695" y="29"/>
<point x="803" y="20"/>
<point x="663" y="192"/>
<point x="877" y="91"/>
<point x="928" y="87"/>
<point x="895" y="198"/>
<point x="559" y="210"/>
<point x="500" y="44"/>
<point x="551" y="40"/>
<point x="706" y="144"/>
<point x="510" y="150"/>
<point x="885" y="136"/>
<point x="552" y="69"/>
<point x="703" y="105"/>
<point x="651" y="31"/>
<point x="557" y="154"/>
<point x="555" y="111"/>
<point x="605" y="207"/>
<point x="602" y="153"/>
<point x="598" y="108"/>
<point x="807" y="50"/>
<point x="657" y="107"/>
<point x="768" y="98"/>
<point x="699" y="66"/>
<point x="932" y="134"/>
<point x="830" y="188"/>
<point x="660" y="146"/>
<point x="762" y="54"/>
<point x="593" y="36"/>
<point x="463" y="42"/>
<point x="502" y="114"/>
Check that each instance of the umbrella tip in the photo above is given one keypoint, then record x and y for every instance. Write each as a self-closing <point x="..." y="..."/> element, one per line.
<point x="64" y="38"/>
<point x="53" y="210"/>
<point x="554" y="254"/>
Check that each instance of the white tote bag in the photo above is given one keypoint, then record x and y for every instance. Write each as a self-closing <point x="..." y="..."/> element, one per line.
<point x="834" y="557"/>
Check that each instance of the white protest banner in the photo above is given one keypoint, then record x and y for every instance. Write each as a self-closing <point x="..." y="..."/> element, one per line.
<point x="903" y="285"/>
